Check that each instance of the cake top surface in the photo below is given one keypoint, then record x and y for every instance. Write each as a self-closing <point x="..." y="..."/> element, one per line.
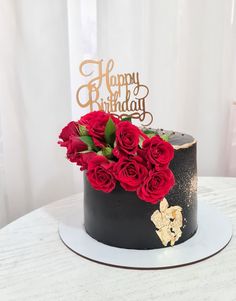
<point x="177" y="139"/>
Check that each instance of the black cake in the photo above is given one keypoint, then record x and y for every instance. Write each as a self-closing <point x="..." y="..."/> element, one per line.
<point x="122" y="220"/>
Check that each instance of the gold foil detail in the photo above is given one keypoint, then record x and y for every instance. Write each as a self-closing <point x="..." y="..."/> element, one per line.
<point x="121" y="94"/>
<point x="168" y="221"/>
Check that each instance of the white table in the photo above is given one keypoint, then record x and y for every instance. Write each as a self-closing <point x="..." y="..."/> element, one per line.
<point x="36" y="265"/>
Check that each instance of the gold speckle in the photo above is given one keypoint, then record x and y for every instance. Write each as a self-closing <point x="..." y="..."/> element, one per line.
<point x="168" y="222"/>
<point x="193" y="184"/>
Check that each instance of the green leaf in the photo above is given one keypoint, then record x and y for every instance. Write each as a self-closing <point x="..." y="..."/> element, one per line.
<point x="110" y="130"/>
<point x="141" y="139"/>
<point x="147" y="132"/>
<point x="129" y="118"/>
<point x="151" y="135"/>
<point x="89" y="141"/>
<point x="165" y="137"/>
<point x="82" y="130"/>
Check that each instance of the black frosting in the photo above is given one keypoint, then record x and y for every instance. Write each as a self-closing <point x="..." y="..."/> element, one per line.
<point x="175" y="138"/>
<point x="121" y="219"/>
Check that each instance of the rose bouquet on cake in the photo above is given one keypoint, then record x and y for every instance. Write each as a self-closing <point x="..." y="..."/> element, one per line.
<point x="114" y="151"/>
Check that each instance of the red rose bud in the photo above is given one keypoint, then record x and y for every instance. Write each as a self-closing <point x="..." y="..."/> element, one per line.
<point x="68" y="131"/>
<point x="130" y="172"/>
<point x="74" y="146"/>
<point x="156" y="185"/>
<point x="157" y="152"/>
<point x="127" y="139"/>
<point x="71" y="141"/>
<point x="100" y="174"/>
<point x="87" y="120"/>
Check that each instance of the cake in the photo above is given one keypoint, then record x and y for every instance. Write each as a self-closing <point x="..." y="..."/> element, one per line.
<point x="118" y="211"/>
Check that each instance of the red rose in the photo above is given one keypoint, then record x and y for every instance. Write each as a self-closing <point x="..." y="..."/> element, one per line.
<point x="127" y="139"/>
<point x="71" y="141"/>
<point x="74" y="146"/>
<point x="95" y="123"/>
<point x="100" y="174"/>
<point x="68" y="131"/>
<point x="130" y="172"/>
<point x="156" y="185"/>
<point x="84" y="159"/>
<point x="88" y="118"/>
<point x="157" y="152"/>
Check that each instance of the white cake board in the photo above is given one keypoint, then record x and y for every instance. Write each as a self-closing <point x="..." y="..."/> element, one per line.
<point x="213" y="234"/>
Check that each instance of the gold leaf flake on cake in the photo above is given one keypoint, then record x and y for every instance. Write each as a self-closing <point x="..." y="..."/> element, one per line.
<point x="168" y="221"/>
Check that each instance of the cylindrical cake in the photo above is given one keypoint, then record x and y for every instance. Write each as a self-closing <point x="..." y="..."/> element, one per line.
<point x="122" y="220"/>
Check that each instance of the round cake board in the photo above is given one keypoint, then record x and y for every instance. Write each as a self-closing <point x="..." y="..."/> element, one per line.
<point x="213" y="234"/>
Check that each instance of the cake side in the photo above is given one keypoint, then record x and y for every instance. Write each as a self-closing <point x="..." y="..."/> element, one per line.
<point x="184" y="193"/>
<point x="121" y="219"/>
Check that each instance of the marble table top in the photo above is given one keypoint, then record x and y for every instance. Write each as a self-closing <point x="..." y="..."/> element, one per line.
<point x="36" y="265"/>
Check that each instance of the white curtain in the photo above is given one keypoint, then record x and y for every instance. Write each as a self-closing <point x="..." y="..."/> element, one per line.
<point x="184" y="51"/>
<point x="35" y="105"/>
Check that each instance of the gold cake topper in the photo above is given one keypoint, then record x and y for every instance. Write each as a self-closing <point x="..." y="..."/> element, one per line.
<point x="168" y="222"/>
<point x="120" y="94"/>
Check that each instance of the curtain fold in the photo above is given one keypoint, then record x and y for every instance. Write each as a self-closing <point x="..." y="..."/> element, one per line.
<point x="185" y="52"/>
<point x="35" y="105"/>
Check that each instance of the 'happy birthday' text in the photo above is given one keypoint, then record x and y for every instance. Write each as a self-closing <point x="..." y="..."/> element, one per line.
<point x="124" y="95"/>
